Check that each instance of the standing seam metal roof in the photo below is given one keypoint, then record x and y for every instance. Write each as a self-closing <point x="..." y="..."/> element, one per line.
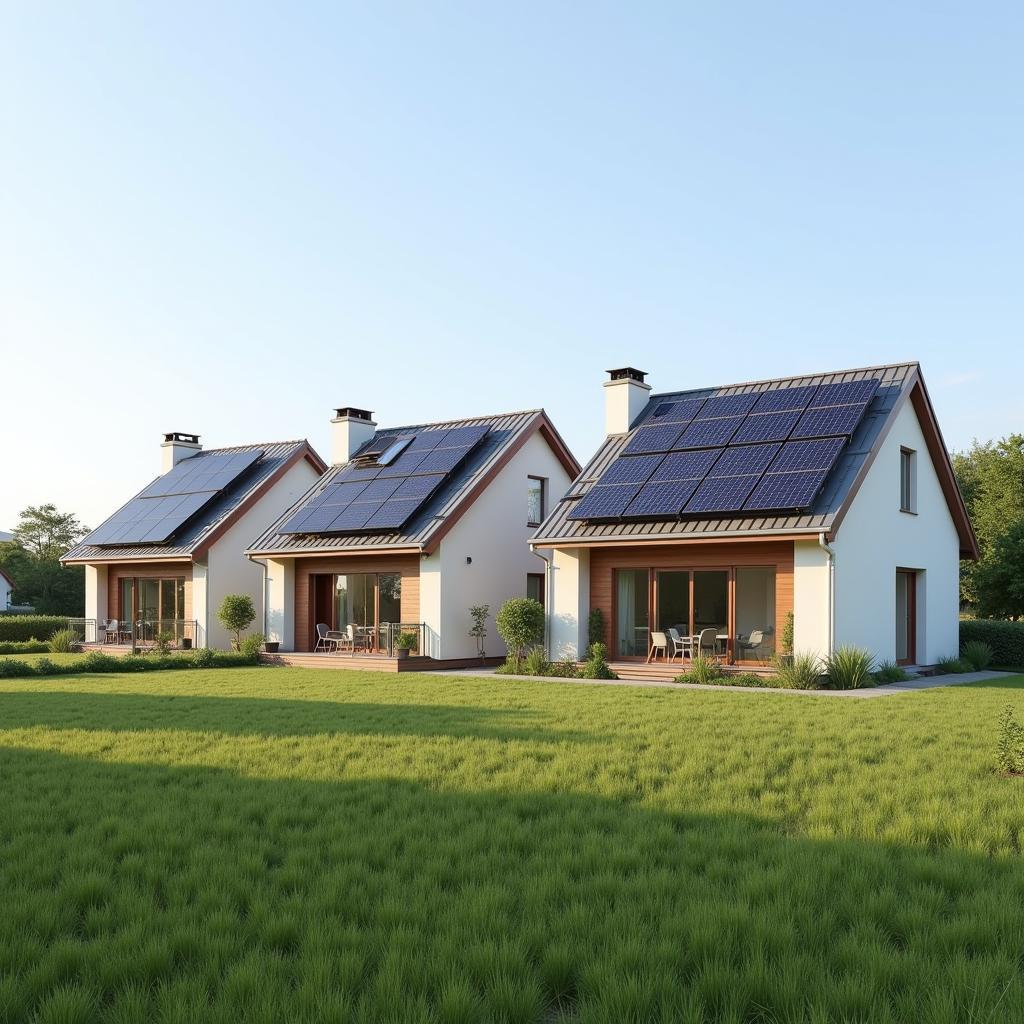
<point x="558" y="528"/>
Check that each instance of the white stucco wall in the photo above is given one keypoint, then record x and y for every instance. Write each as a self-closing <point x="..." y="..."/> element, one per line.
<point x="5" y="593"/>
<point x="569" y="602"/>
<point x="228" y="571"/>
<point x="876" y="538"/>
<point x="495" y="534"/>
<point x="811" y="596"/>
<point x="281" y="602"/>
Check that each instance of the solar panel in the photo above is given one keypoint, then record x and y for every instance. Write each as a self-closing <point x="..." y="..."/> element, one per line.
<point x="380" y="490"/>
<point x="804" y="455"/>
<point x="664" y="498"/>
<point x="751" y="458"/>
<point x="392" y="514"/>
<point x="681" y="411"/>
<point x="727" y="405"/>
<point x="686" y="465"/>
<point x="708" y="433"/>
<point x="209" y="471"/>
<point x="354" y="517"/>
<point x="721" y="494"/>
<point x="785" y="399"/>
<point x="459" y="437"/>
<point x="833" y="421"/>
<point x="786" y="490"/>
<point x="418" y="486"/>
<point x="406" y="464"/>
<point x="653" y="439"/>
<point x="769" y="426"/>
<point x="635" y="470"/>
<point x="358" y="473"/>
<point x="427" y="440"/>
<point x="604" y="502"/>
<point x="849" y="393"/>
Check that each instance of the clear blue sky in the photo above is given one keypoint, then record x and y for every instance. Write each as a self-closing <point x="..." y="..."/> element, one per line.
<point x="229" y="218"/>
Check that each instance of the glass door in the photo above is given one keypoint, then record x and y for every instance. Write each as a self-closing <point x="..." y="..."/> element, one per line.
<point x="672" y="600"/>
<point x="755" y="613"/>
<point x="906" y="624"/>
<point x="632" y="613"/>
<point x="711" y="609"/>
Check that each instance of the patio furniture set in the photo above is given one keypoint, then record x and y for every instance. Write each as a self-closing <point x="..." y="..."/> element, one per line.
<point x="708" y="642"/>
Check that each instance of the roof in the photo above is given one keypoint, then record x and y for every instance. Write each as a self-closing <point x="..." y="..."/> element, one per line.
<point x="203" y="530"/>
<point x="900" y="383"/>
<point x="508" y="433"/>
<point x="6" y="577"/>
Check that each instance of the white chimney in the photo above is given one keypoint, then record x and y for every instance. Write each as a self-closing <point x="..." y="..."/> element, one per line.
<point x="177" y="446"/>
<point x="350" y="430"/>
<point x="625" y="395"/>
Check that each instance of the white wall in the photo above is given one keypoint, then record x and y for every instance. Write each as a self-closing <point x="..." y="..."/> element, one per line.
<point x="495" y="534"/>
<point x="228" y="571"/>
<point x="6" y="590"/>
<point x="569" y="601"/>
<point x="95" y="599"/>
<point x="876" y="538"/>
<point x="811" y="595"/>
<point x="281" y="602"/>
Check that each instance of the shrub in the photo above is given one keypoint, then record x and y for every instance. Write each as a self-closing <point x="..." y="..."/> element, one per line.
<point x="595" y="627"/>
<point x="702" y="670"/>
<point x="511" y="666"/>
<point x="799" y="672"/>
<point x="252" y="647"/>
<point x="63" y="641"/>
<point x="1005" y="638"/>
<point x="163" y="641"/>
<point x="1010" y="746"/>
<point x="407" y="640"/>
<point x="11" y="668"/>
<point x="236" y="613"/>
<point x="23" y="647"/>
<point x="536" y="662"/>
<point x="203" y="658"/>
<point x="596" y="666"/>
<point x="45" y="667"/>
<point x="478" y="613"/>
<point x="849" y="668"/>
<point x="890" y="672"/>
<point x="520" y="623"/>
<point x="750" y="679"/>
<point x="28" y="627"/>
<point x="787" y="635"/>
<point x="977" y="654"/>
<point x="564" y="669"/>
<point x="949" y="666"/>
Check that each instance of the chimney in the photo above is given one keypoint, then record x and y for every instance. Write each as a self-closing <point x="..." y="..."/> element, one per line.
<point x="177" y="446"/>
<point x="625" y="395"/>
<point x="350" y="430"/>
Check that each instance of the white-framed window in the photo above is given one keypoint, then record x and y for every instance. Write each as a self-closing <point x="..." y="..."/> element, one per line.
<point x="908" y="480"/>
<point x="535" y="500"/>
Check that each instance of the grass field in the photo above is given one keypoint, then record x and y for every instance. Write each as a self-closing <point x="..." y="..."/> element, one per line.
<point x="288" y="844"/>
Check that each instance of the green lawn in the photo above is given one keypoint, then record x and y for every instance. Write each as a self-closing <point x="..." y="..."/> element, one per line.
<point x="288" y="844"/>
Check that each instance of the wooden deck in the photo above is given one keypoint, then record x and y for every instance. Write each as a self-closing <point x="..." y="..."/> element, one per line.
<point x="371" y="662"/>
<point x="664" y="672"/>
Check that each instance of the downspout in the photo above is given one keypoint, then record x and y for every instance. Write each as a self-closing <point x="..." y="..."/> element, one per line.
<point x="823" y="544"/>
<point x="262" y="563"/>
<point x="547" y="601"/>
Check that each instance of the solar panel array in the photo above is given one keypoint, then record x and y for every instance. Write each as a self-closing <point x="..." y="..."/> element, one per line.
<point x="367" y="496"/>
<point x="724" y="454"/>
<point x="170" y="501"/>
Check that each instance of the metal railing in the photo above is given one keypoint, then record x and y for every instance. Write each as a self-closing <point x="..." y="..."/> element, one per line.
<point x="178" y="634"/>
<point x="390" y="631"/>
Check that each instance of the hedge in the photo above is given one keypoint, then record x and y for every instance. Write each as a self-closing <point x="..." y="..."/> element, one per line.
<point x="24" y="647"/>
<point x="96" y="661"/>
<point x="1005" y="638"/>
<point x="31" y="627"/>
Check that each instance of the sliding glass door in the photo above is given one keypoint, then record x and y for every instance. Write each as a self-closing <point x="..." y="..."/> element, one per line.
<point x="153" y="604"/>
<point x="372" y="602"/>
<point x="632" y="615"/>
<point x="755" y="613"/>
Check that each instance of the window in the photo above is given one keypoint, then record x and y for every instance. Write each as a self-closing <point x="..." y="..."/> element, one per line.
<point x="535" y="586"/>
<point x="535" y="500"/>
<point x="908" y="480"/>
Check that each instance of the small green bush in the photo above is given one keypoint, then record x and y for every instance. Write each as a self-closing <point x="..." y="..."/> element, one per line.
<point x="252" y="647"/>
<point x="595" y="627"/>
<point x="564" y="669"/>
<point x="97" y="661"/>
<point x="596" y="666"/>
<point x="890" y="672"/>
<point x="750" y="679"/>
<point x="1005" y="638"/>
<point x="63" y="641"/>
<point x="949" y="665"/>
<point x="203" y="658"/>
<point x="11" y="668"/>
<point x="236" y="613"/>
<point x="787" y="635"/>
<point x="163" y="640"/>
<point x="536" y="663"/>
<point x="520" y="624"/>
<point x="977" y="654"/>
<point x="28" y="627"/>
<point x="32" y="646"/>
<point x="702" y="670"/>
<point x="799" y="672"/>
<point x="1010" y="746"/>
<point x="850" y="668"/>
<point x="511" y="666"/>
<point x="407" y="640"/>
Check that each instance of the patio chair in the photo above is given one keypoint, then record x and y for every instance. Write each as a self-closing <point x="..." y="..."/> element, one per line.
<point x="344" y="639"/>
<point x="680" y="644"/>
<point x="110" y="631"/>
<point x="753" y="642"/>
<point x="659" y="642"/>
<point x="324" y="640"/>
<point x="708" y="641"/>
<point x="124" y="633"/>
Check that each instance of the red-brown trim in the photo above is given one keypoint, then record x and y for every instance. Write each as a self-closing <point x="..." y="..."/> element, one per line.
<point x="682" y="542"/>
<point x="916" y="392"/>
<point x="279" y="556"/>
<point x="126" y="561"/>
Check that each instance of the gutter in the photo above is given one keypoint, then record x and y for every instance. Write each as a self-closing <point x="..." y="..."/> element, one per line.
<point x="823" y="544"/>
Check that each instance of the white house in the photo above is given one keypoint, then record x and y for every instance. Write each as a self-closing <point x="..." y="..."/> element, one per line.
<point x="6" y="589"/>
<point x="164" y="562"/>
<point x="410" y="528"/>
<point x="708" y="517"/>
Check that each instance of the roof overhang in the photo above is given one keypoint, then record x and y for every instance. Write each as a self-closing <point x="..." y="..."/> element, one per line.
<point x="280" y="556"/>
<point x="735" y="537"/>
<point x="147" y="559"/>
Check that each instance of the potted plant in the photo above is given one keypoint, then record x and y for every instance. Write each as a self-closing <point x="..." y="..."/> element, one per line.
<point x="404" y="643"/>
<point x="271" y="646"/>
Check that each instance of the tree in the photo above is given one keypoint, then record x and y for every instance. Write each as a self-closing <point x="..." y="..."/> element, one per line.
<point x="521" y="624"/>
<point x="46" y="533"/>
<point x="991" y="478"/>
<point x="236" y="613"/>
<point x="1000" y="577"/>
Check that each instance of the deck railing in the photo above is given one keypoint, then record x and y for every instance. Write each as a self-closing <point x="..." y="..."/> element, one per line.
<point x="179" y="634"/>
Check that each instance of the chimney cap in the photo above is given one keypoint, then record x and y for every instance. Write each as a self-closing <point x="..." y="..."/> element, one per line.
<point x="627" y="373"/>
<point x="353" y="413"/>
<point x="180" y="437"/>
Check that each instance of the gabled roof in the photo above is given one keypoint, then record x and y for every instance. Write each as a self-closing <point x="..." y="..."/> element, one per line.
<point x="204" y="529"/>
<point x="6" y="577"/>
<point x="900" y="383"/>
<point x="507" y="434"/>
